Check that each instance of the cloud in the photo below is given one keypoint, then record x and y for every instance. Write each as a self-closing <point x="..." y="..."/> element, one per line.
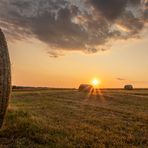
<point x="121" y="79"/>
<point x="55" y="54"/>
<point x="132" y="81"/>
<point x="113" y="9"/>
<point x="146" y="12"/>
<point x="110" y="9"/>
<point x="86" y="25"/>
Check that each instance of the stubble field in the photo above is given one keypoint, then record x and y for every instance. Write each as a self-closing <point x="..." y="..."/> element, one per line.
<point x="68" y="118"/>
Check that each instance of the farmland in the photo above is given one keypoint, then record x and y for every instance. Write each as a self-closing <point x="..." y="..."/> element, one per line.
<point x="68" y="118"/>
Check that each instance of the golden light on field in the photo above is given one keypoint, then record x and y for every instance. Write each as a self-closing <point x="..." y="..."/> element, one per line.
<point x="96" y="82"/>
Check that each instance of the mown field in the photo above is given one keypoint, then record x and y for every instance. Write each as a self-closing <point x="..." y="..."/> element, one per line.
<point x="67" y="118"/>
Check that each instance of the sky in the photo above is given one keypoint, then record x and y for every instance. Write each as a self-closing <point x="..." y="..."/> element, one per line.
<point x="63" y="43"/>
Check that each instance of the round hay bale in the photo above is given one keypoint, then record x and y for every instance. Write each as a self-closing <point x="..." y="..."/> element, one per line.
<point x="86" y="88"/>
<point x="128" y="87"/>
<point x="5" y="77"/>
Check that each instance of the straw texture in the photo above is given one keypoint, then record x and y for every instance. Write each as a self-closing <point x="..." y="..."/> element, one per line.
<point x="5" y="77"/>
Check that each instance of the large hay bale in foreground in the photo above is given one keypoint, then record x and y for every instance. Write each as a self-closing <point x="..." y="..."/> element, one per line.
<point x="5" y="77"/>
<point x="86" y="88"/>
<point x="128" y="87"/>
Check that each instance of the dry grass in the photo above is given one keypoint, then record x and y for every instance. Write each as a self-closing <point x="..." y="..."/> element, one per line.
<point x="67" y="118"/>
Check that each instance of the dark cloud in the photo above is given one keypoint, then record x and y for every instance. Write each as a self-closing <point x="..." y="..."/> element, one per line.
<point x="146" y="12"/>
<point x="73" y="24"/>
<point x="21" y="4"/>
<point x="146" y="15"/>
<point x="112" y="9"/>
<point x="131" y="23"/>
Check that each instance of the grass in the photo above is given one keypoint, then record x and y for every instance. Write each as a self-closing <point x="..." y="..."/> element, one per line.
<point x="67" y="118"/>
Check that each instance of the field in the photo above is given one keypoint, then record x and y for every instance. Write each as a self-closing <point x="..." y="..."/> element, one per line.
<point x="67" y="118"/>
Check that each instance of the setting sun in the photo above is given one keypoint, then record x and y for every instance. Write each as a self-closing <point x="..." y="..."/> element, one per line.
<point x="96" y="82"/>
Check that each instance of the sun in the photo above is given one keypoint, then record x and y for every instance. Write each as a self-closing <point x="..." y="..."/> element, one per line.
<point x="96" y="82"/>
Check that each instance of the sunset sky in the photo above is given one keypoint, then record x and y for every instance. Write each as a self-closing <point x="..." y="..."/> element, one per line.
<point x="62" y="43"/>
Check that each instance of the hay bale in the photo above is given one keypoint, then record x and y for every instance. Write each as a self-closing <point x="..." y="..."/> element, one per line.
<point x="86" y="88"/>
<point x="5" y="77"/>
<point x="128" y="87"/>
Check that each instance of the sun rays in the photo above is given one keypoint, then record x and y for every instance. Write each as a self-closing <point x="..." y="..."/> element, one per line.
<point x="95" y="93"/>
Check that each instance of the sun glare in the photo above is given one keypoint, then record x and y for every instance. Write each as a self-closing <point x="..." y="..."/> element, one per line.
<point x="96" y="82"/>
